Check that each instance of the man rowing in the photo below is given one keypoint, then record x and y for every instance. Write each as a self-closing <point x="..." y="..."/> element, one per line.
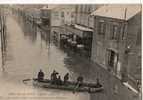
<point x="98" y="84"/>
<point x="79" y="83"/>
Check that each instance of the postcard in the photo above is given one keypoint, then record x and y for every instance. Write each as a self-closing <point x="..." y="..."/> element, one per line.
<point x="70" y="51"/>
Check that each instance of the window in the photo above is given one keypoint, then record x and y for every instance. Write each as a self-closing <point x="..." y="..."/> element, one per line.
<point x="111" y="58"/>
<point x="89" y="9"/>
<point x="102" y="28"/>
<point x="80" y="9"/>
<point x="56" y="14"/>
<point x="44" y="13"/>
<point x="123" y="32"/>
<point x="85" y="8"/>
<point x="76" y="9"/>
<point x="114" y="31"/>
<point x="72" y="15"/>
<point x="62" y="14"/>
<point x="138" y="40"/>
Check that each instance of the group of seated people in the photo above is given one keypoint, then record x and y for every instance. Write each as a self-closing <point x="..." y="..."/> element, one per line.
<point x="56" y="79"/>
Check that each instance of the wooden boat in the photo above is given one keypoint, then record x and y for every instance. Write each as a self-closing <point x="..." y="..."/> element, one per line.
<point x="69" y="86"/>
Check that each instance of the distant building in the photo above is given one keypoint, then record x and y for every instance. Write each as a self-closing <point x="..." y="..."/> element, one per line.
<point x="45" y="15"/>
<point x="81" y="31"/>
<point x="61" y="15"/>
<point x="83" y="17"/>
<point x="116" y="41"/>
<point x="45" y="23"/>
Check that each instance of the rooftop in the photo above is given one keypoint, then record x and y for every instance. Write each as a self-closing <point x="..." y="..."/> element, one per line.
<point x="49" y="7"/>
<point x="124" y="12"/>
<point x="64" y="7"/>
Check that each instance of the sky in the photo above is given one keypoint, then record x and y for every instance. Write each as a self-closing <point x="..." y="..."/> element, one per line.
<point x="67" y="1"/>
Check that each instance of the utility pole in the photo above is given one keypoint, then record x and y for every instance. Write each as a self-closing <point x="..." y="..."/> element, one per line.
<point x="3" y="37"/>
<point x="2" y="46"/>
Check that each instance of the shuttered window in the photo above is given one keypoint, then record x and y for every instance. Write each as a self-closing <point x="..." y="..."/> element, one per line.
<point x="123" y="32"/>
<point x="138" y="40"/>
<point x="62" y="14"/>
<point x="114" y="32"/>
<point x="101" y="28"/>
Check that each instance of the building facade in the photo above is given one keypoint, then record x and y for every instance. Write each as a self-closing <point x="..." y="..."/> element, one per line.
<point x="116" y="42"/>
<point x="83" y="17"/>
<point x="45" y="15"/>
<point x="61" y="15"/>
<point x="81" y="31"/>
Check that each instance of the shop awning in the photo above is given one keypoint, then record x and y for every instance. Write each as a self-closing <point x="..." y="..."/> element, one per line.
<point x="78" y="30"/>
<point x="82" y="28"/>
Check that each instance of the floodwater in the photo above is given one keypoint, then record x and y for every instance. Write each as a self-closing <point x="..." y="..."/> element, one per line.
<point x="27" y="53"/>
<point x="29" y="50"/>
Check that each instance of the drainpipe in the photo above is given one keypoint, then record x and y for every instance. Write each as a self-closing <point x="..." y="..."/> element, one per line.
<point x="125" y="13"/>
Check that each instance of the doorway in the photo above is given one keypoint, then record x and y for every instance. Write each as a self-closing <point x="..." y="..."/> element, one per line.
<point x="112" y="60"/>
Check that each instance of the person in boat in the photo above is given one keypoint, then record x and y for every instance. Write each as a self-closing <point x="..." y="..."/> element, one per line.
<point x="66" y="78"/>
<point x="54" y="77"/>
<point x="98" y="84"/>
<point x="59" y="81"/>
<point x="79" y="81"/>
<point x="40" y="75"/>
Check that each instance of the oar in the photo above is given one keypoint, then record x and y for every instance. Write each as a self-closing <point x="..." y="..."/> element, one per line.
<point x="76" y="87"/>
<point x="26" y="80"/>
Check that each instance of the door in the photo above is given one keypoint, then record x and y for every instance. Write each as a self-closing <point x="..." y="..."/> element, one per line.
<point x="112" y="60"/>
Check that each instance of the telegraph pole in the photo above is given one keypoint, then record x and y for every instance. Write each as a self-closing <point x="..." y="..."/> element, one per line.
<point x="3" y="37"/>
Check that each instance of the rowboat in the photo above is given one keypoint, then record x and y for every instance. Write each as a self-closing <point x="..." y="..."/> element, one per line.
<point x="69" y="86"/>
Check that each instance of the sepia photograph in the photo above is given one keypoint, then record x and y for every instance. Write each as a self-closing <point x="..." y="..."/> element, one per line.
<point x="70" y="51"/>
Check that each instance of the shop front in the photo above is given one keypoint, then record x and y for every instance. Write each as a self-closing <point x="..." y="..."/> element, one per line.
<point x="57" y="32"/>
<point x="79" y="40"/>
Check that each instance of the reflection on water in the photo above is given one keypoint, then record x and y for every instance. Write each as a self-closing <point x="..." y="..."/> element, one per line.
<point x="28" y="52"/>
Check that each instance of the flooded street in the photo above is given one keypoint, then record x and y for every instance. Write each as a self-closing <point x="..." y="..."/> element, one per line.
<point x="25" y="57"/>
<point x="28" y="50"/>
